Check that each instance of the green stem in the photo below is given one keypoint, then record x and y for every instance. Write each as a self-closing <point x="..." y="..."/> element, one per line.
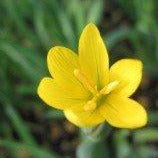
<point x="97" y="133"/>
<point x="93" y="142"/>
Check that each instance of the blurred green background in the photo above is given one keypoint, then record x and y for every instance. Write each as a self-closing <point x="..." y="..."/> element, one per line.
<point x="28" y="29"/>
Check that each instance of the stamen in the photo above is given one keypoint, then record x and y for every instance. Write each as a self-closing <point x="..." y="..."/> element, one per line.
<point x="82" y="78"/>
<point x="91" y="105"/>
<point x="110" y="87"/>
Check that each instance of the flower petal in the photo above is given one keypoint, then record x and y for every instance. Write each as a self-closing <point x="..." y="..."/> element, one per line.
<point x="129" y="73"/>
<point x="124" y="112"/>
<point x="93" y="57"/>
<point x="85" y="118"/>
<point x="61" y="63"/>
<point x="54" y="95"/>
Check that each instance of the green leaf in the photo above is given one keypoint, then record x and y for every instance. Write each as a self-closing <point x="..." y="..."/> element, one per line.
<point x="146" y="135"/>
<point x="17" y="17"/>
<point x="78" y="13"/>
<point x="17" y="122"/>
<point x="40" y="26"/>
<point x="117" y="35"/>
<point x="147" y="152"/>
<point x="18" y="57"/>
<point x="34" y="151"/>
<point x="95" y="11"/>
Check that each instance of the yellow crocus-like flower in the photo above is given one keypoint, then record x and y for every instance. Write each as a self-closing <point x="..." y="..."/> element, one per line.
<point x="87" y="91"/>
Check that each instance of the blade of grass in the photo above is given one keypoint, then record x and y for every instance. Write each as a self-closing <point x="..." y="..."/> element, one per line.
<point x="78" y="13"/>
<point x="95" y="11"/>
<point x="17" y="17"/>
<point x="17" y="122"/>
<point x="147" y="152"/>
<point x="18" y="58"/>
<point x="20" y="126"/>
<point x="36" y="152"/>
<point x="67" y="28"/>
<point x="119" y="34"/>
<point x="146" y="135"/>
<point x="40" y="26"/>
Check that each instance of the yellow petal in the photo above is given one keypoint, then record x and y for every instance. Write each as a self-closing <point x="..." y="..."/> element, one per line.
<point x="93" y="57"/>
<point x="54" y="95"/>
<point x="128" y="72"/>
<point x="123" y="112"/>
<point x="84" y="119"/>
<point x="61" y="63"/>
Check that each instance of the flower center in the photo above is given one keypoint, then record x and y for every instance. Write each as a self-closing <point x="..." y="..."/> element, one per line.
<point x="97" y="95"/>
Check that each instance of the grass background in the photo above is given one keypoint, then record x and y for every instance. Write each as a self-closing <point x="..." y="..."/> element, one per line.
<point x="28" y="29"/>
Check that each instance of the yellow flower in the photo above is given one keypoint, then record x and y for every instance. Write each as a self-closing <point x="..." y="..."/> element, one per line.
<point x="87" y="91"/>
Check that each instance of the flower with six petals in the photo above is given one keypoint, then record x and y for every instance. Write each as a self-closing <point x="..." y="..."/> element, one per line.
<point x="87" y="91"/>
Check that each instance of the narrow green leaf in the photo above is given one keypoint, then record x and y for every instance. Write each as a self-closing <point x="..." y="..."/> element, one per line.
<point x="34" y="151"/>
<point x="146" y="135"/>
<point x="40" y="26"/>
<point x="95" y="11"/>
<point x="117" y="35"/>
<point x="17" y="122"/>
<point x="18" y="58"/>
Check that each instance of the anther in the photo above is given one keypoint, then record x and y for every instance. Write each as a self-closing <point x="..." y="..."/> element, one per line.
<point x="91" y="105"/>
<point x="110" y="87"/>
<point x="82" y="78"/>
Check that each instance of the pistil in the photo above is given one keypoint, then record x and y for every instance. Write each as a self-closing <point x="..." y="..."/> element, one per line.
<point x="97" y="95"/>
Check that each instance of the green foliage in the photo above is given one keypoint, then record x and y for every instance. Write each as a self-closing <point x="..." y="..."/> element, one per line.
<point x="29" y="28"/>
